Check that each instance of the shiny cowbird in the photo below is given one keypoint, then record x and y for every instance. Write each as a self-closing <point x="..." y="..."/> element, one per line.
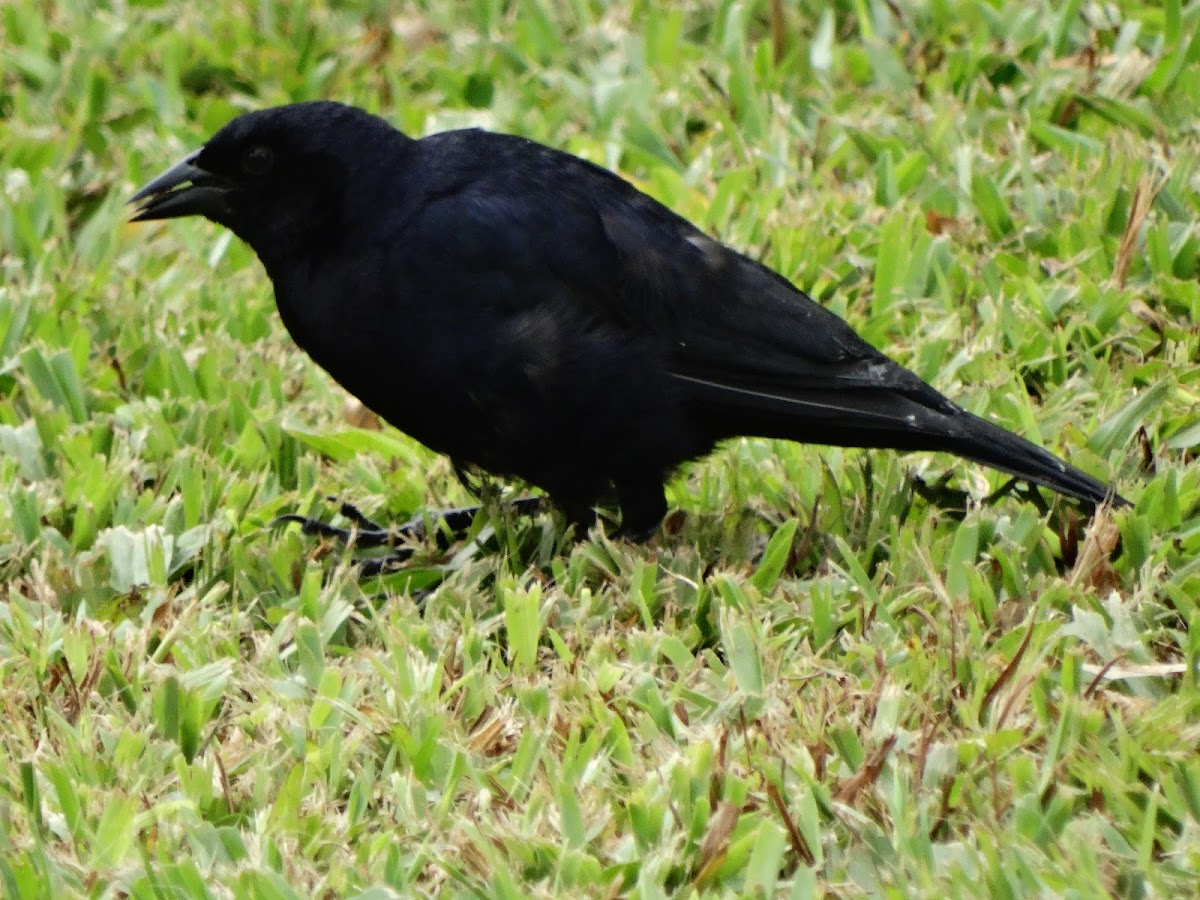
<point x="530" y="314"/>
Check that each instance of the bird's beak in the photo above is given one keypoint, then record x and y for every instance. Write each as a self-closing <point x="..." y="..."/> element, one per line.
<point x="185" y="189"/>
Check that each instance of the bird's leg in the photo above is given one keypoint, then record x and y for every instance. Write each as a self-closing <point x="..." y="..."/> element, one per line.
<point x="1018" y="488"/>
<point x="474" y="479"/>
<point x="941" y="494"/>
<point x="643" y="506"/>
<point x="367" y="534"/>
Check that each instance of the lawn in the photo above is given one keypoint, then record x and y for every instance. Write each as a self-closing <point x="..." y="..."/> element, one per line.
<point x="834" y="673"/>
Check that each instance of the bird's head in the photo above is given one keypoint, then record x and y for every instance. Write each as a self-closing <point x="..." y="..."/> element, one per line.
<point x="276" y="177"/>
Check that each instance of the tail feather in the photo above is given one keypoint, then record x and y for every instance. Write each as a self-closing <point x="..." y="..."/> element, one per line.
<point x="888" y="419"/>
<point x="991" y="445"/>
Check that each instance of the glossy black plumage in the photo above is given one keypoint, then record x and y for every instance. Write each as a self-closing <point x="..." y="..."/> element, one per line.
<point x="527" y="312"/>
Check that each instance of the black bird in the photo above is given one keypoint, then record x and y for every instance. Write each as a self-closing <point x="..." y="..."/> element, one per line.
<point x="531" y="314"/>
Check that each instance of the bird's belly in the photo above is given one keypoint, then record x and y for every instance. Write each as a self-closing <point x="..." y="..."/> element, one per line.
<point x="524" y="396"/>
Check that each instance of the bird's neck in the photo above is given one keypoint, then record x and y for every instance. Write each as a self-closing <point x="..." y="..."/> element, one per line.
<point x="289" y="276"/>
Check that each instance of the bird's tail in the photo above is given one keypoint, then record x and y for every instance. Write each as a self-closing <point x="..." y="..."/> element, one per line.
<point x="892" y="419"/>
<point x="978" y="440"/>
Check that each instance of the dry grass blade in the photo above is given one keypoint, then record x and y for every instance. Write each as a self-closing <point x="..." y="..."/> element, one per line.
<point x="716" y="839"/>
<point x="1153" y="321"/>
<point x="799" y="844"/>
<point x="1113" y="671"/>
<point x="1143" y="197"/>
<point x="779" y="40"/>
<point x="1092" y="565"/>
<point x="867" y="773"/>
<point x="360" y="416"/>
<point x="1007" y="673"/>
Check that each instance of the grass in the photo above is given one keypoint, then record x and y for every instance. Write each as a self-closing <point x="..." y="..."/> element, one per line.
<point x="815" y="682"/>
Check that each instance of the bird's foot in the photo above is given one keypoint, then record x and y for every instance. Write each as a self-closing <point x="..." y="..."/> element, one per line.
<point x="366" y="534"/>
<point x="362" y="533"/>
<point x="1021" y="489"/>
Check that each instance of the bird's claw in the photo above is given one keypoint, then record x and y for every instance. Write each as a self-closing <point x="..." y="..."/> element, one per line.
<point x="363" y="533"/>
<point x="366" y="534"/>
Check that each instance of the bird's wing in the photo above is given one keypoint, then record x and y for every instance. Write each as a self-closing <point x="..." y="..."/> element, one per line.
<point x="742" y="334"/>
<point x="541" y="228"/>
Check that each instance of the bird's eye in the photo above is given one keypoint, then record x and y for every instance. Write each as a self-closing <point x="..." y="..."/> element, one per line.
<point x="258" y="160"/>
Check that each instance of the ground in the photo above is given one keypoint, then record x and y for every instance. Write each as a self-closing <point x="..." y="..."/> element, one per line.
<point x="834" y="673"/>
